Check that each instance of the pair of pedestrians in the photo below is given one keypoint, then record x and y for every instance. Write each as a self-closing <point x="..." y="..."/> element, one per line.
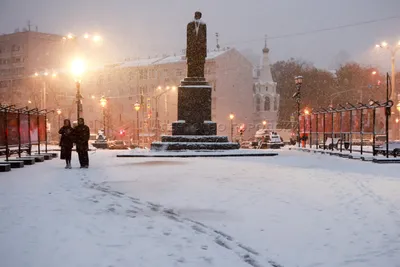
<point x="79" y="135"/>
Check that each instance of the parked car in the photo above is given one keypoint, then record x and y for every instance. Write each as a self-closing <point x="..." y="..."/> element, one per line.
<point x="268" y="139"/>
<point x="118" y="144"/>
<point x="394" y="149"/>
<point x="101" y="142"/>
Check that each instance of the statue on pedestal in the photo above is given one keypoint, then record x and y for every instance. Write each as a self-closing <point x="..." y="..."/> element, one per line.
<point x="196" y="48"/>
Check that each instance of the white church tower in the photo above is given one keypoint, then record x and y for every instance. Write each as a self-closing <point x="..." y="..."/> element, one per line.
<point x="265" y="98"/>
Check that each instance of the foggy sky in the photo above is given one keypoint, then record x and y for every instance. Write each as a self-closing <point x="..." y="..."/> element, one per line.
<point x="147" y="28"/>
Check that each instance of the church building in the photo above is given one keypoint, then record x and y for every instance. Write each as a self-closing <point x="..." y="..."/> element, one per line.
<point x="265" y="97"/>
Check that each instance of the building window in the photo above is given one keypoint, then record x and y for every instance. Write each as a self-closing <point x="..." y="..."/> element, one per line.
<point x="276" y="103"/>
<point x="267" y="104"/>
<point x="131" y="75"/>
<point x="15" y="48"/>
<point x="178" y="72"/>
<point x="258" y="103"/>
<point x="266" y="88"/>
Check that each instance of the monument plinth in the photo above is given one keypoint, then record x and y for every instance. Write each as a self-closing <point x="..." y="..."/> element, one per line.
<point x="194" y="129"/>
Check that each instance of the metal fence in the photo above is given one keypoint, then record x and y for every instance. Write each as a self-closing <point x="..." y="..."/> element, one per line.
<point x="20" y="129"/>
<point x="346" y="126"/>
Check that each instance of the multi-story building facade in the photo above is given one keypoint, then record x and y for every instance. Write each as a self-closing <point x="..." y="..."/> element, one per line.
<point x="22" y="54"/>
<point x="123" y="84"/>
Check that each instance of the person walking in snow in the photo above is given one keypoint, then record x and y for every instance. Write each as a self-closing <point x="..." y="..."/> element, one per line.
<point x="82" y="135"/>
<point x="66" y="142"/>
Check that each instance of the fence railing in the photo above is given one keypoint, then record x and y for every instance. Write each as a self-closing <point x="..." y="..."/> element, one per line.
<point x="349" y="123"/>
<point x="21" y="128"/>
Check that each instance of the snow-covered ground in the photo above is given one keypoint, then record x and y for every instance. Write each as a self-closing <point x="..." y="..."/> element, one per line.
<point x="296" y="209"/>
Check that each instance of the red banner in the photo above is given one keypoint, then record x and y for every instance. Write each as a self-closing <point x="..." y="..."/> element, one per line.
<point x="12" y="126"/>
<point x="24" y="129"/>
<point x="2" y="130"/>
<point x="42" y="128"/>
<point x="33" y="131"/>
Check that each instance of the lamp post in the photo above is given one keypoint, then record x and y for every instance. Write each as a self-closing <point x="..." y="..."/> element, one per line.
<point x="298" y="81"/>
<point x="137" y="108"/>
<point x="231" y="117"/>
<point x="103" y="103"/>
<point x="306" y="113"/>
<point x="157" y="97"/>
<point x="393" y="50"/>
<point x="59" y="120"/>
<point x="43" y="97"/>
<point x="264" y="124"/>
<point x="78" y="68"/>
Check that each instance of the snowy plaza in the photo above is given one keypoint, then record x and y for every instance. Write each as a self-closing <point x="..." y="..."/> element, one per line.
<point x="296" y="209"/>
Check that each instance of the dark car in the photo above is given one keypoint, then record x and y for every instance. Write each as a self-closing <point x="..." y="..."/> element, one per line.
<point x="118" y="144"/>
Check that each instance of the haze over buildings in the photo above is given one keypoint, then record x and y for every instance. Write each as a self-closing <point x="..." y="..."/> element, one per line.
<point x="140" y="29"/>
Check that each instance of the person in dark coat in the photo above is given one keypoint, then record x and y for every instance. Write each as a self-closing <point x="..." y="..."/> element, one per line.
<point x="82" y="135"/>
<point x="66" y="142"/>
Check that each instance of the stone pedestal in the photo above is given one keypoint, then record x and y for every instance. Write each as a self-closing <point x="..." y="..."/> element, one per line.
<point x="194" y="129"/>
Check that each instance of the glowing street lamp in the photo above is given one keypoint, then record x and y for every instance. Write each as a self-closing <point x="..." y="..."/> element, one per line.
<point x="59" y="119"/>
<point x="298" y="81"/>
<point x="78" y="68"/>
<point x="374" y="72"/>
<point x="231" y="117"/>
<point x="96" y="38"/>
<point x="393" y="50"/>
<point x="264" y="124"/>
<point x="137" y="108"/>
<point x="398" y="106"/>
<point x="103" y="103"/>
<point x="306" y="111"/>
<point x="86" y="36"/>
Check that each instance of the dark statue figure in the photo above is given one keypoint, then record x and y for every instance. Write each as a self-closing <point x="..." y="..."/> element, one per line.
<point x="196" y="48"/>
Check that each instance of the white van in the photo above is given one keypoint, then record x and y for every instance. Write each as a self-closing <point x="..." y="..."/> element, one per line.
<point x="268" y="139"/>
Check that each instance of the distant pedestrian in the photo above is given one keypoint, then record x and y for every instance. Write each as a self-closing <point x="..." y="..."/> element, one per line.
<point x="82" y="135"/>
<point x="66" y="142"/>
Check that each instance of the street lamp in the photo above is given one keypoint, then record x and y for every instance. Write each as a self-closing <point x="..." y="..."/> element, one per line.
<point x="231" y="117"/>
<point x="103" y="103"/>
<point x="393" y="50"/>
<point x="59" y="121"/>
<point x="157" y="97"/>
<point x="264" y="124"/>
<point x="298" y="81"/>
<point x="78" y="67"/>
<point x="137" y="108"/>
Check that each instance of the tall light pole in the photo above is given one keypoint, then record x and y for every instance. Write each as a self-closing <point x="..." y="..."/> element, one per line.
<point x="137" y="108"/>
<point x="393" y="50"/>
<point x="59" y="120"/>
<point x="157" y="97"/>
<point x="231" y="117"/>
<point x="298" y="81"/>
<point x="103" y="103"/>
<point x="43" y="76"/>
<point x="78" y="68"/>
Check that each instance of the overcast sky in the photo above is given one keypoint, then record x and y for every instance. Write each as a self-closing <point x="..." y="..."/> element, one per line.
<point x="142" y="28"/>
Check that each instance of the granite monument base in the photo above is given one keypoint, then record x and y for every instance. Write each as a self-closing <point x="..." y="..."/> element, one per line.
<point x="194" y="129"/>
<point x="197" y="142"/>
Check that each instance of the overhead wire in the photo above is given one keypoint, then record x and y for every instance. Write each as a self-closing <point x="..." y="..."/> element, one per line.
<point x="289" y="35"/>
